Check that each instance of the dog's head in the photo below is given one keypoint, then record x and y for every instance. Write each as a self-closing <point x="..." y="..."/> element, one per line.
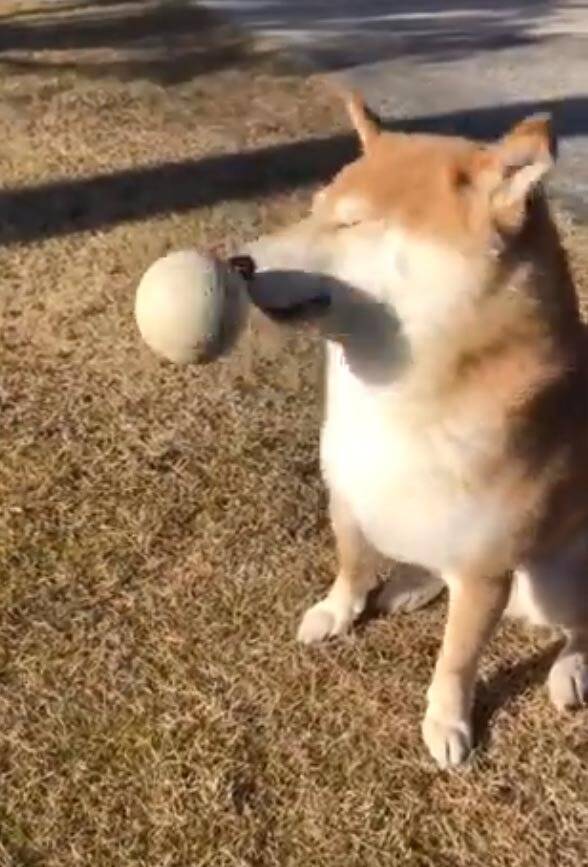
<point x="418" y="224"/>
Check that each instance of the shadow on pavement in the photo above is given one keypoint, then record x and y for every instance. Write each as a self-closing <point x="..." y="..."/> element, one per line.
<point x="336" y="34"/>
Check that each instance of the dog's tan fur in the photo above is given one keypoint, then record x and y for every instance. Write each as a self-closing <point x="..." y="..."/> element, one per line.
<point x="479" y="437"/>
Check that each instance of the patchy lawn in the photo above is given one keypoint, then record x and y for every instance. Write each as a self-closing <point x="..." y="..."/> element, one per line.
<point x="162" y="529"/>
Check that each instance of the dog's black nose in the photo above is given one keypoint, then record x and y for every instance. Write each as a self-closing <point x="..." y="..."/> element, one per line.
<point x="244" y="265"/>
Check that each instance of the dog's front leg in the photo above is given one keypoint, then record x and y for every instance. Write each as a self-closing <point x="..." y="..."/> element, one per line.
<point x="357" y="575"/>
<point x="475" y="607"/>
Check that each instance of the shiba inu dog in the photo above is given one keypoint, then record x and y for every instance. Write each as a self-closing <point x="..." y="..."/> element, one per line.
<point x="456" y="427"/>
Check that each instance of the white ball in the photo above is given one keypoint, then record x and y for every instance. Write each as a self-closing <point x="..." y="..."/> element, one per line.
<point x="190" y="307"/>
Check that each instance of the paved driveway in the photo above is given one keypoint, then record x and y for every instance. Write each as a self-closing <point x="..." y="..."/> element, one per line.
<point x="471" y="67"/>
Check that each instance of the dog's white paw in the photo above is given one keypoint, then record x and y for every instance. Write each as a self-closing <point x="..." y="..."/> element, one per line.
<point x="568" y="681"/>
<point x="326" y="619"/>
<point x="448" y="741"/>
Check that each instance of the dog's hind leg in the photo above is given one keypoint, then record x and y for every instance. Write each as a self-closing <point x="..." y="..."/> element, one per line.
<point x="554" y="592"/>
<point x="408" y="589"/>
<point x="357" y="575"/>
<point x="568" y="678"/>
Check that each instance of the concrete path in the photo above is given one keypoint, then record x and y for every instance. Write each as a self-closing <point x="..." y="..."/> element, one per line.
<point x="450" y="65"/>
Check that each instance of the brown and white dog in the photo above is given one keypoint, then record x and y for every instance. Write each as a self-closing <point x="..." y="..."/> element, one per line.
<point x="456" y="427"/>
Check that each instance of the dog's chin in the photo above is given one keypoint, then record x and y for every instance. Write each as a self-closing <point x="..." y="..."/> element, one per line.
<point x="368" y="331"/>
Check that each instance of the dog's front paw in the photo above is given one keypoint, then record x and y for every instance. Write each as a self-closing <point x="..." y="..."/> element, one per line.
<point x="324" y="620"/>
<point x="568" y="681"/>
<point x="448" y="741"/>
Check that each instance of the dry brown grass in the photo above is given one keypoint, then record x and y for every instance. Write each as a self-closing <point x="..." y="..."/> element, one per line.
<point x="161" y="530"/>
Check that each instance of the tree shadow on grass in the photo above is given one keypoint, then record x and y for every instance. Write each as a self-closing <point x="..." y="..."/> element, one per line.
<point x="65" y="206"/>
<point x="163" y="42"/>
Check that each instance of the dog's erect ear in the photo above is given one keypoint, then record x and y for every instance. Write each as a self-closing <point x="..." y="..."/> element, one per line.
<point x="520" y="161"/>
<point x="366" y="124"/>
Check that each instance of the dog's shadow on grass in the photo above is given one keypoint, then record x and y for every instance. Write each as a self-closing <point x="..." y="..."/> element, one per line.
<point x="503" y="686"/>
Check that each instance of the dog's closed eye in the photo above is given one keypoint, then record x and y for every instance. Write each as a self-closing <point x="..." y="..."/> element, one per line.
<point x="349" y="210"/>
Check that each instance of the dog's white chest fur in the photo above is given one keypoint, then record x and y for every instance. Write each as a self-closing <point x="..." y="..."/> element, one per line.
<point x="413" y="489"/>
